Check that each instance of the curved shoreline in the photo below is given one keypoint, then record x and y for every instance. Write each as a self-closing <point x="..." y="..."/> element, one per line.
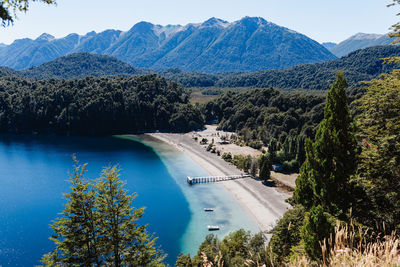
<point x="264" y="204"/>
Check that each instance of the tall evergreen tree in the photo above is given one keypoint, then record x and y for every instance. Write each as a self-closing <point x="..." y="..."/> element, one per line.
<point x="300" y="152"/>
<point x="265" y="167"/>
<point x="331" y="159"/>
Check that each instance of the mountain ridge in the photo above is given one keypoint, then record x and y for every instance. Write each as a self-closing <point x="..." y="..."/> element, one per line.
<point x="359" y="41"/>
<point x="215" y="45"/>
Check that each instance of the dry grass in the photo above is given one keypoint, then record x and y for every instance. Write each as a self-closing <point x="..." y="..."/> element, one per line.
<point x="198" y="97"/>
<point x="346" y="251"/>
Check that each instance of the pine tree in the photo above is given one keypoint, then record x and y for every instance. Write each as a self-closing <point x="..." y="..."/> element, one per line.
<point x="331" y="159"/>
<point x="303" y="193"/>
<point x="265" y="167"/>
<point x="76" y="231"/>
<point x="123" y="241"/>
<point x="300" y="152"/>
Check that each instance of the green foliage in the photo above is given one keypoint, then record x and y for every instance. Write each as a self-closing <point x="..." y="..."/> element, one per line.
<point x="303" y="194"/>
<point x="183" y="260"/>
<point x="76" y="235"/>
<point x="331" y="159"/>
<point x="361" y="65"/>
<point x="236" y="249"/>
<point x="99" y="225"/>
<point x="227" y="157"/>
<point x="95" y="106"/>
<point x="286" y="234"/>
<point x="9" y="8"/>
<point x="78" y="66"/>
<point x="268" y="117"/>
<point x="378" y="172"/>
<point x="318" y="225"/>
<point x="265" y="167"/>
<point x="242" y="162"/>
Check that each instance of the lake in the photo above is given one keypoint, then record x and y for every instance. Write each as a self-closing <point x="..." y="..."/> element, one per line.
<point x="33" y="178"/>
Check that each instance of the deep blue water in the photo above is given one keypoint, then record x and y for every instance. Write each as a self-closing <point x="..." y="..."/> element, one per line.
<point x="33" y="178"/>
<point x="33" y="174"/>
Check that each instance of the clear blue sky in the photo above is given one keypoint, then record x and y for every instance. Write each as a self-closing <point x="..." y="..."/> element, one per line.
<point x="321" y="20"/>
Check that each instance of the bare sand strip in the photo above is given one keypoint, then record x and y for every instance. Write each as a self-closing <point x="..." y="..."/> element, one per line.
<point x="264" y="203"/>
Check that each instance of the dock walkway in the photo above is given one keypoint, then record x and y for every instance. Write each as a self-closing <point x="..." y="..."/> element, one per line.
<point x="214" y="179"/>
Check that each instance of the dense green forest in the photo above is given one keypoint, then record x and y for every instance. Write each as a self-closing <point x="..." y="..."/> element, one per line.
<point x="80" y="65"/>
<point x="358" y="66"/>
<point x="95" y="106"/>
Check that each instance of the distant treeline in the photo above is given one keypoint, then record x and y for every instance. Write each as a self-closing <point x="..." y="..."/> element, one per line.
<point x="361" y="65"/>
<point x="95" y="106"/>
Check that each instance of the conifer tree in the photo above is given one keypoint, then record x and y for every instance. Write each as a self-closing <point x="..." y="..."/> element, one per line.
<point x="318" y="225"/>
<point x="303" y="193"/>
<point x="99" y="226"/>
<point x="300" y="152"/>
<point x="265" y="167"/>
<point x="331" y="159"/>
<point x="123" y="241"/>
<point x="76" y="236"/>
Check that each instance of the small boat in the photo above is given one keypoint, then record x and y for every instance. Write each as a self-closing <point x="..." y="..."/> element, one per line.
<point x="213" y="227"/>
<point x="208" y="209"/>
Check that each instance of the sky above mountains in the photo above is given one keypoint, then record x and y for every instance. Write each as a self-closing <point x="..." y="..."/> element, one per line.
<point x="322" y="21"/>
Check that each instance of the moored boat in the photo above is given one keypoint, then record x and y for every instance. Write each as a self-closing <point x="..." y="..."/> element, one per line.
<point x="213" y="227"/>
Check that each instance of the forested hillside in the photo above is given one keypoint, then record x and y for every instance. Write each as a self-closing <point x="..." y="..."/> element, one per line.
<point x="80" y="65"/>
<point x="95" y="106"/>
<point x="361" y="65"/>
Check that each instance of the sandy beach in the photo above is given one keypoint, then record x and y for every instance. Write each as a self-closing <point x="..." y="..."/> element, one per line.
<point x="266" y="204"/>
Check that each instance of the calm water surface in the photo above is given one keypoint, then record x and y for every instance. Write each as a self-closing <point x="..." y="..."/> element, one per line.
<point x="34" y="174"/>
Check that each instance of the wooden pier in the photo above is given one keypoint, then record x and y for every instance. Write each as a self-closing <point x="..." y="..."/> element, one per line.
<point x="214" y="179"/>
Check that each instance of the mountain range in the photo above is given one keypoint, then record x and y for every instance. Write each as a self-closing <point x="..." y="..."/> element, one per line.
<point x="361" y="65"/>
<point x="357" y="41"/>
<point x="249" y="44"/>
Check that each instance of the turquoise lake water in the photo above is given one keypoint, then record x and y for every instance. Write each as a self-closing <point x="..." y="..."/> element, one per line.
<point x="34" y="174"/>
